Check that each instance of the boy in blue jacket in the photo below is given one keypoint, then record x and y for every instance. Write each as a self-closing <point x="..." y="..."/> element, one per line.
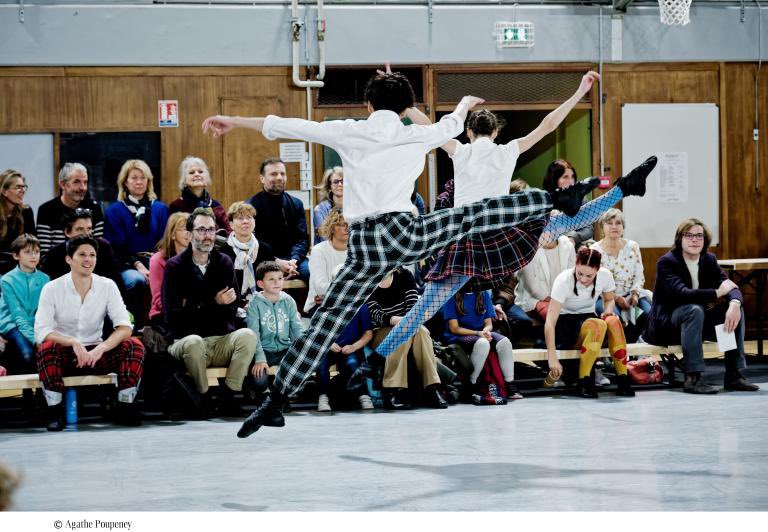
<point x="21" y="289"/>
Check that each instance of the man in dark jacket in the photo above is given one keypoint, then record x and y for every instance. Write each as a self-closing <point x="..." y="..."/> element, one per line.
<point x="689" y="283"/>
<point x="199" y="303"/>
<point x="280" y="220"/>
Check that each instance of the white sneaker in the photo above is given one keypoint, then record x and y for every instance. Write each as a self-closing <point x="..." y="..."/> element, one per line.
<point x="323" y="405"/>
<point x="365" y="402"/>
<point x="600" y="379"/>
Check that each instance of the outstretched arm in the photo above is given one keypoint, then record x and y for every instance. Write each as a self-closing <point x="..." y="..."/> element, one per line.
<point x="553" y="119"/>
<point x="415" y="115"/>
<point x="221" y="124"/>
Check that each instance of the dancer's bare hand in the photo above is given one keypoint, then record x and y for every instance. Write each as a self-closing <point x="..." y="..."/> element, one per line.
<point x="471" y="101"/>
<point x="218" y="124"/>
<point x="387" y="69"/>
<point x="587" y="81"/>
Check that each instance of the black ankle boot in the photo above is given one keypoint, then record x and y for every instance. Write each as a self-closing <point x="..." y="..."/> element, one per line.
<point x="633" y="184"/>
<point x="587" y="387"/>
<point x="269" y="414"/>
<point x="56" y="417"/>
<point x="624" y="387"/>
<point x="434" y="397"/>
<point x="735" y="382"/>
<point x="568" y="200"/>
<point x="127" y="414"/>
<point x="694" y="384"/>
<point x="370" y="369"/>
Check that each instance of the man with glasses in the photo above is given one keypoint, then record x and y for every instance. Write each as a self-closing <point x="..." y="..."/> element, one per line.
<point x="692" y="294"/>
<point x="51" y="216"/>
<point x="280" y="220"/>
<point x="200" y="304"/>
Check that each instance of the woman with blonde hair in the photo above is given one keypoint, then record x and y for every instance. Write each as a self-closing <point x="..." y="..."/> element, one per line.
<point x="194" y="182"/>
<point x="326" y="256"/>
<point x="175" y="240"/>
<point x="16" y="217"/>
<point x="332" y="190"/>
<point x="135" y="222"/>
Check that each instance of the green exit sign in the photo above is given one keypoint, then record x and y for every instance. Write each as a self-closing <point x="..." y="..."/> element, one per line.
<point x="514" y="34"/>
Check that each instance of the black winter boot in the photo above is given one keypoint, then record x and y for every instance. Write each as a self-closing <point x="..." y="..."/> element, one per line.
<point x="56" y="416"/>
<point x="624" y="387"/>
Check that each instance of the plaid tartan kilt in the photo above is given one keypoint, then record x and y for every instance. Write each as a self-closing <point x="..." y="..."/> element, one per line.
<point x="489" y="258"/>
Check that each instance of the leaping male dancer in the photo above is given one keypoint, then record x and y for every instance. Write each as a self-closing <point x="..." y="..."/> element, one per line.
<point x="382" y="159"/>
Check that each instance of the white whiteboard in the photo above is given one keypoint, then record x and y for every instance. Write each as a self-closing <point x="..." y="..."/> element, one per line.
<point x="686" y="182"/>
<point x="32" y="155"/>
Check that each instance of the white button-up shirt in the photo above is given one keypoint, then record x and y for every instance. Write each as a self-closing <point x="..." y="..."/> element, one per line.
<point x="381" y="157"/>
<point x="482" y="170"/>
<point x="61" y="310"/>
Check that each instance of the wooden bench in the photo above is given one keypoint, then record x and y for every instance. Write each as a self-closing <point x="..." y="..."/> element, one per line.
<point x="294" y="284"/>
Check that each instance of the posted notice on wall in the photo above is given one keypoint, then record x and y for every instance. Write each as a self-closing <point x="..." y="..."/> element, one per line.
<point x="292" y="152"/>
<point x="168" y="113"/>
<point x="672" y="185"/>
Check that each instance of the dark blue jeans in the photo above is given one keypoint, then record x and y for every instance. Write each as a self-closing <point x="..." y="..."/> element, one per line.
<point x="346" y="364"/>
<point x="21" y="356"/>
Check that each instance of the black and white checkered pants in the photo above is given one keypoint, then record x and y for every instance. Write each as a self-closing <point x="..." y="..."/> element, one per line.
<point x="377" y="246"/>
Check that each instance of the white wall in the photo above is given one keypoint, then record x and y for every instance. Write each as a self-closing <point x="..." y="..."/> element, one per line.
<point x="258" y="35"/>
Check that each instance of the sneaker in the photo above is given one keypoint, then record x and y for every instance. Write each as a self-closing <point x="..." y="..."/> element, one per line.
<point x="512" y="391"/>
<point x="365" y="402"/>
<point x="323" y="405"/>
<point x="600" y="379"/>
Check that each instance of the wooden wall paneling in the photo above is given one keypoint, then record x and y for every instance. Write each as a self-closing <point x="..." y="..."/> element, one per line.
<point x="31" y="104"/>
<point x="198" y="98"/>
<point x="746" y="217"/>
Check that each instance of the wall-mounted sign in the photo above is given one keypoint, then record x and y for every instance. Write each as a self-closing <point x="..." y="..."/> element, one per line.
<point x="168" y="113"/>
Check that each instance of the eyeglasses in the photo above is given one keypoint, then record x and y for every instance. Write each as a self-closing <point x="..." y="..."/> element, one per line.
<point x="337" y="181"/>
<point x="205" y="230"/>
<point x="694" y="236"/>
<point x="82" y="212"/>
<point x="20" y="187"/>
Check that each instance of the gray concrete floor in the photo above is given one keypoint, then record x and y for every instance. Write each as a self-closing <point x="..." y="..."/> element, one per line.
<point x="662" y="450"/>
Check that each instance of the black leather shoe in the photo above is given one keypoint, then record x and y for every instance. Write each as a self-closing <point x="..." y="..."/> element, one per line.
<point x="269" y="414"/>
<point x="737" y="383"/>
<point x="56" y="417"/>
<point x="370" y="369"/>
<point x="633" y="184"/>
<point x="127" y="414"/>
<point x="434" y="397"/>
<point x="694" y="384"/>
<point x="394" y="399"/>
<point x="624" y="387"/>
<point x="587" y="388"/>
<point x="568" y="200"/>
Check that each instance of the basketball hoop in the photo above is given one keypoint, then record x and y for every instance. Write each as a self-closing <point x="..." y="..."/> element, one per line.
<point x="675" y="12"/>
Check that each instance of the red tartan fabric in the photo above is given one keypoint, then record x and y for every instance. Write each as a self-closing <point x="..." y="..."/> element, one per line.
<point x="489" y="257"/>
<point x="54" y="361"/>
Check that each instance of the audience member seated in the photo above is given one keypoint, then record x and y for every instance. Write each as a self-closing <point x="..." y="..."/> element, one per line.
<point x="469" y="323"/>
<point x="68" y="327"/>
<point x="53" y="214"/>
<point x="692" y="294"/>
<point x="622" y="258"/>
<point x="393" y="298"/>
<point x="134" y="224"/>
<point x="347" y="353"/>
<point x="21" y="289"/>
<point x="16" y="217"/>
<point x="280" y="220"/>
<point x="573" y="324"/>
<point x="325" y="257"/>
<point x="332" y="192"/>
<point x="175" y="240"/>
<point x="200" y="303"/>
<point x="274" y="317"/>
<point x="535" y="281"/>
<point x="562" y="174"/>
<point x="79" y="223"/>
<point x="194" y="182"/>
<point x="245" y="251"/>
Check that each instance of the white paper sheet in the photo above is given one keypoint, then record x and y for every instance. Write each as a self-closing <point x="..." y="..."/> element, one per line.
<point x="725" y="341"/>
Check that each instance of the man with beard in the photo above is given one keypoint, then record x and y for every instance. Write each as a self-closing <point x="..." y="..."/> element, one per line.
<point x="200" y="304"/>
<point x="280" y="220"/>
<point x="52" y="215"/>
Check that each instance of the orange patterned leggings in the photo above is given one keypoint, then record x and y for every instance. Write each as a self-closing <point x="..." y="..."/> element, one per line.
<point x="591" y="337"/>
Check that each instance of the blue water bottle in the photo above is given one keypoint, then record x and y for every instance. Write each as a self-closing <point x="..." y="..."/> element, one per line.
<point x="71" y="405"/>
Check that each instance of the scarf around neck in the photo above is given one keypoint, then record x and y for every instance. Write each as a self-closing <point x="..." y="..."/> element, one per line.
<point x="245" y="256"/>
<point x="141" y="208"/>
<point x="203" y="201"/>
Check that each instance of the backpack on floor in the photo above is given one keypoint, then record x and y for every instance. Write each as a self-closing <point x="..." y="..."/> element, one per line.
<point x="490" y="388"/>
<point x="645" y="370"/>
